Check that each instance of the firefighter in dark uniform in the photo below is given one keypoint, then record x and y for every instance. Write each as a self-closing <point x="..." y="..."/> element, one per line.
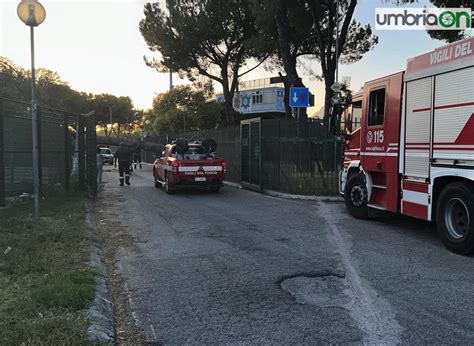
<point x="124" y="157"/>
<point x="137" y="156"/>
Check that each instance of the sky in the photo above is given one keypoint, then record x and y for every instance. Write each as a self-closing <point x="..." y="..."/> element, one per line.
<point x="96" y="47"/>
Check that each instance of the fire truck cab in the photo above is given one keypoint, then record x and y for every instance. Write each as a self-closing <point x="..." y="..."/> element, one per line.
<point x="414" y="150"/>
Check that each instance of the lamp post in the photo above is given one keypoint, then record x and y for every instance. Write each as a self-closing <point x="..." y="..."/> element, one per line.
<point x="32" y="13"/>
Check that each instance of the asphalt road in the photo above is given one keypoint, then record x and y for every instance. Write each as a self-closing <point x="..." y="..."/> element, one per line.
<point x="240" y="267"/>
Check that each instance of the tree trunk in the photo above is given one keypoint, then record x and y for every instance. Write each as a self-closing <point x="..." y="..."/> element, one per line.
<point x="286" y="100"/>
<point x="229" y="110"/>
<point x="228" y="95"/>
<point x="289" y="61"/>
<point x="329" y="79"/>
<point x="284" y="45"/>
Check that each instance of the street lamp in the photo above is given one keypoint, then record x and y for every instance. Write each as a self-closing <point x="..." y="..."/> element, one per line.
<point x="32" y="13"/>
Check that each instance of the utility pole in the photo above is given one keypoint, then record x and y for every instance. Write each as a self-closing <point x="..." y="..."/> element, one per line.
<point x="171" y="79"/>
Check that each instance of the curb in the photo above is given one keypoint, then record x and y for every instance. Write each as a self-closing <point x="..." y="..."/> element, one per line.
<point x="231" y="184"/>
<point x="303" y="197"/>
<point x="290" y="196"/>
<point x="101" y="329"/>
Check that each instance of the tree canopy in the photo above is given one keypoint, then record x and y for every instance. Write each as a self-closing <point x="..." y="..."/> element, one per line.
<point x="120" y="108"/>
<point x="54" y="92"/>
<point x="183" y="109"/>
<point x="307" y="28"/>
<point x="353" y="42"/>
<point x="207" y="37"/>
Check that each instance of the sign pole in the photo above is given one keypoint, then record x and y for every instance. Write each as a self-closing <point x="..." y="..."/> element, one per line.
<point x="337" y="41"/>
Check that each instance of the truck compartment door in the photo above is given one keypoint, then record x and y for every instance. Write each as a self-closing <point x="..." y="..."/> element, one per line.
<point x="418" y="109"/>
<point x="454" y="118"/>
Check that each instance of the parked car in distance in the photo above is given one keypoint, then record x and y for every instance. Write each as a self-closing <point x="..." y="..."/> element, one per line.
<point x="107" y="155"/>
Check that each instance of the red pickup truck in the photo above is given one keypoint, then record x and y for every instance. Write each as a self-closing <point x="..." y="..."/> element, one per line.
<point x="186" y="165"/>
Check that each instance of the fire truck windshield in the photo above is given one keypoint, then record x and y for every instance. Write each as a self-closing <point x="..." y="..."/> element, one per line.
<point x="353" y="116"/>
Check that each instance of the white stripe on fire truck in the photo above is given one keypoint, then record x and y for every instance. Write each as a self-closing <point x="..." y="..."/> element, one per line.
<point x="378" y="154"/>
<point x="415" y="197"/>
<point x="196" y="168"/>
<point x="188" y="168"/>
<point x="418" y="154"/>
<point x="440" y="145"/>
<point x="370" y="154"/>
<point x="212" y="168"/>
<point x="459" y="155"/>
<point x="454" y="146"/>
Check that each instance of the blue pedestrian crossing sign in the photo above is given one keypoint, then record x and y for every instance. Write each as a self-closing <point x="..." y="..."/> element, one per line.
<point x="299" y="97"/>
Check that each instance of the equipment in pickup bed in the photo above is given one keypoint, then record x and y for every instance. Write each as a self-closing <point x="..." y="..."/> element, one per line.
<point x="186" y="164"/>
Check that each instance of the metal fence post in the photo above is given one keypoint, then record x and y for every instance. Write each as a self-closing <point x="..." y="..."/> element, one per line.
<point x="2" y="159"/>
<point x="81" y="154"/>
<point x="40" y="165"/>
<point x="67" y="153"/>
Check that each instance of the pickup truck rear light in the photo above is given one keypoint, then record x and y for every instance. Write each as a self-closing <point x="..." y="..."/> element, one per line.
<point x="174" y="166"/>
<point x="224" y="166"/>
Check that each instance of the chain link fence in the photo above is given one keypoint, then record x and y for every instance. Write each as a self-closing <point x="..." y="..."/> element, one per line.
<point x="62" y="152"/>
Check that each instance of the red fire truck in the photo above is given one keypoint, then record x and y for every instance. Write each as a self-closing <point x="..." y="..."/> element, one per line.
<point x="414" y="150"/>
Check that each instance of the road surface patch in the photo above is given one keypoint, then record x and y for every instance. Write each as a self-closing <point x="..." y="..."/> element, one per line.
<point x="324" y="291"/>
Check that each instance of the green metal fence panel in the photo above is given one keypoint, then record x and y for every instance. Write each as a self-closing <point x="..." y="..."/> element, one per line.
<point x="52" y="148"/>
<point x="18" y="147"/>
<point x="59" y="150"/>
<point x="67" y="152"/>
<point x="228" y="148"/>
<point x="289" y="163"/>
<point x="149" y="156"/>
<point x="255" y="154"/>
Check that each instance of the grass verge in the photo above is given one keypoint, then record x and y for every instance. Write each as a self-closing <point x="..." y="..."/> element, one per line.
<point x="46" y="284"/>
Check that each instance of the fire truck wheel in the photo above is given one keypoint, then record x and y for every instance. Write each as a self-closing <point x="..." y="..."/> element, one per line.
<point x="455" y="217"/>
<point x="355" y="196"/>
<point x="168" y="186"/>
